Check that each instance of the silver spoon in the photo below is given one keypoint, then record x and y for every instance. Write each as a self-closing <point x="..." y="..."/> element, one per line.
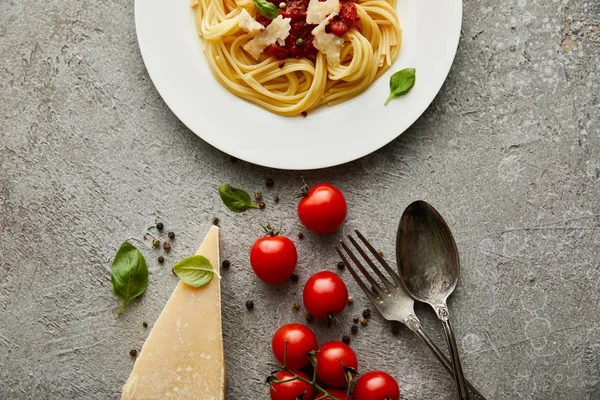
<point x="429" y="269"/>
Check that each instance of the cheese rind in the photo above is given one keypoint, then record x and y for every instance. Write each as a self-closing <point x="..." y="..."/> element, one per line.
<point x="183" y="356"/>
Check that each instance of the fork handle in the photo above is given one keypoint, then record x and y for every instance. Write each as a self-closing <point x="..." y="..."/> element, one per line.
<point x="414" y="325"/>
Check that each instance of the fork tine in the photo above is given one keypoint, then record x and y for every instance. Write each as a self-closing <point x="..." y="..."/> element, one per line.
<point x="357" y="278"/>
<point x="393" y="274"/>
<point x="380" y="291"/>
<point x="389" y="285"/>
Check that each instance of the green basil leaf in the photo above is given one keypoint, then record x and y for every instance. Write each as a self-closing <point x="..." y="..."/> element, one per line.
<point x="237" y="200"/>
<point x="128" y="274"/>
<point x="266" y="9"/>
<point x="195" y="271"/>
<point x="401" y="82"/>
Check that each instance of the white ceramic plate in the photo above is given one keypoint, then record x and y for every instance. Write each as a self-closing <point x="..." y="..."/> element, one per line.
<point x="329" y="136"/>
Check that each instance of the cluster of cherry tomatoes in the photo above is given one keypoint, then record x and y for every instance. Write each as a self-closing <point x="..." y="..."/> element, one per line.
<point x="335" y="365"/>
<point x="273" y="258"/>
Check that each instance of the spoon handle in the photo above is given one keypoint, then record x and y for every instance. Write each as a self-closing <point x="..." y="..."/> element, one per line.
<point x="415" y="325"/>
<point x="459" y="377"/>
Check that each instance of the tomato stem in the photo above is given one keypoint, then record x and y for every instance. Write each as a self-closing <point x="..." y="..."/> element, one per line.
<point x="312" y="382"/>
<point x="313" y="362"/>
<point x="349" y="372"/>
<point x="332" y="318"/>
<point x="270" y="231"/>
<point x="303" y="192"/>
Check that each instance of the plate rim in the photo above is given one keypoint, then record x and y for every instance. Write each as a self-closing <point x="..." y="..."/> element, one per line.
<point x="308" y="163"/>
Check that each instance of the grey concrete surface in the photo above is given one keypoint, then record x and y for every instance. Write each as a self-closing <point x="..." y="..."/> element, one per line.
<point x="509" y="152"/>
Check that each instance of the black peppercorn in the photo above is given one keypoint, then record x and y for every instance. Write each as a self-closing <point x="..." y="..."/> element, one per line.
<point x="341" y="265"/>
<point x="308" y="317"/>
<point x="133" y="352"/>
<point x="270" y="182"/>
<point x="161" y="259"/>
<point x="346" y="339"/>
<point x="354" y="329"/>
<point x="300" y="235"/>
<point x="304" y="114"/>
<point x="366" y="313"/>
<point x="249" y="304"/>
<point x="215" y="221"/>
<point x="225" y="264"/>
<point x="145" y="324"/>
<point x="160" y="226"/>
<point x="171" y="235"/>
<point x="355" y="320"/>
<point x="294" y="278"/>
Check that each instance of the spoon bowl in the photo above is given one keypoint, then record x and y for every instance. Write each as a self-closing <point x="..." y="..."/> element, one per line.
<point x="427" y="255"/>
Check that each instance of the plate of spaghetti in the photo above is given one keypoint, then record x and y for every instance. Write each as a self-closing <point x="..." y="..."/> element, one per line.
<point x="296" y="84"/>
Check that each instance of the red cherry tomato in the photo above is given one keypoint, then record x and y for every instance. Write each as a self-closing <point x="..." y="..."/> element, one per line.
<point x="376" y="385"/>
<point x="273" y="258"/>
<point x="339" y="394"/>
<point x="292" y="389"/>
<point x="300" y="341"/>
<point x="330" y="357"/>
<point x="323" y="209"/>
<point x="325" y="294"/>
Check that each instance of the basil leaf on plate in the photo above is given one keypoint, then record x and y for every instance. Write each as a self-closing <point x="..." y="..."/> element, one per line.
<point x="237" y="200"/>
<point x="401" y="82"/>
<point x="128" y="274"/>
<point x="195" y="271"/>
<point x="266" y="9"/>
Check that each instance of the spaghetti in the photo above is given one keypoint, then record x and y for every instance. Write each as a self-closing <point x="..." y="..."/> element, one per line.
<point x="285" y="80"/>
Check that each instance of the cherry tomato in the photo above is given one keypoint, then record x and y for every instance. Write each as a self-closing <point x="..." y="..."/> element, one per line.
<point x="376" y="385"/>
<point x="325" y="294"/>
<point x="273" y="258"/>
<point x="330" y="357"/>
<point x="323" y="209"/>
<point x="300" y="341"/>
<point x="292" y="389"/>
<point x="340" y="394"/>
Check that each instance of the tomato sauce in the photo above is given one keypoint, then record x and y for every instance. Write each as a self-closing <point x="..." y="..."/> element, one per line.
<point x="299" y="43"/>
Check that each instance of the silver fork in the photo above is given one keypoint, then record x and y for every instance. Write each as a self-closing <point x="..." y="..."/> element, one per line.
<point x="392" y="301"/>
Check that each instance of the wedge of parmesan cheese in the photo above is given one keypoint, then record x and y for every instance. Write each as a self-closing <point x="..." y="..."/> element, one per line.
<point x="182" y="357"/>
<point x="328" y="43"/>
<point x="318" y="11"/>
<point x="249" y="24"/>
<point x="277" y="31"/>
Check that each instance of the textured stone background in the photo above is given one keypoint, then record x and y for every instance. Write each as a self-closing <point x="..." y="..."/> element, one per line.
<point x="509" y="152"/>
